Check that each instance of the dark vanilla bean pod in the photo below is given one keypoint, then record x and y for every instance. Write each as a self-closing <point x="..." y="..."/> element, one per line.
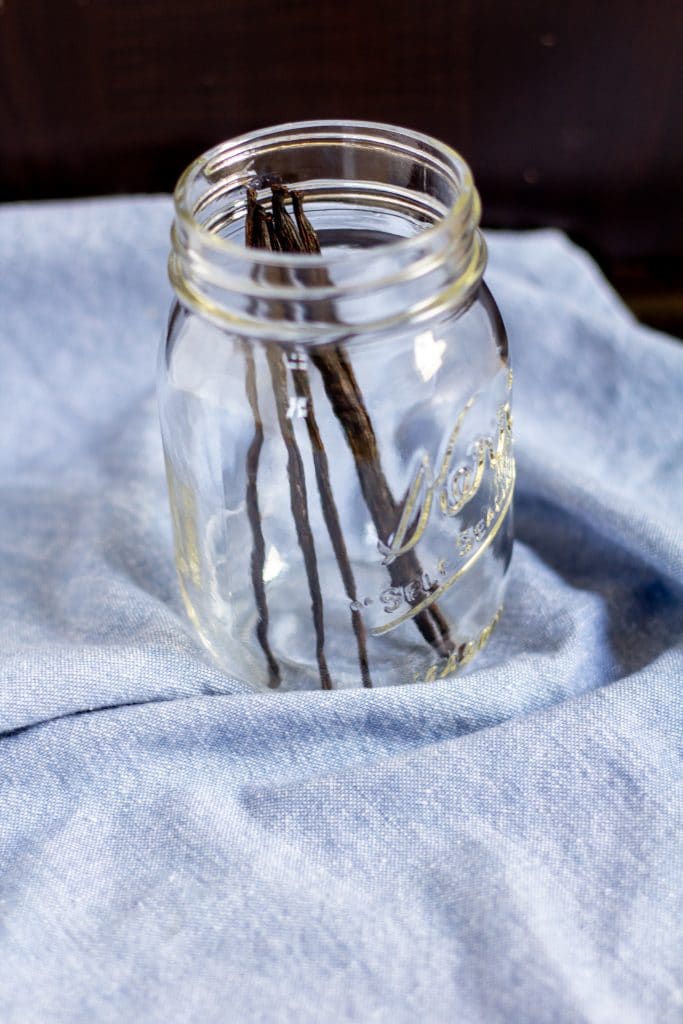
<point x="348" y="406"/>
<point x="261" y="232"/>
<point x="302" y="386"/>
<point x="306" y="230"/>
<point x="258" y="228"/>
<point x="299" y="506"/>
<point x="254" y="237"/>
<point x="258" y="550"/>
<point x="285" y="230"/>
<point x="411" y="562"/>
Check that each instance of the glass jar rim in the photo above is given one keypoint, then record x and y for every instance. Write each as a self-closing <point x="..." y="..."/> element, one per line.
<point x="363" y="288"/>
<point x="463" y="212"/>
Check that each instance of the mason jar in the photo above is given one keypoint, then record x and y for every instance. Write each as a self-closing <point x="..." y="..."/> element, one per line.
<point x="337" y="425"/>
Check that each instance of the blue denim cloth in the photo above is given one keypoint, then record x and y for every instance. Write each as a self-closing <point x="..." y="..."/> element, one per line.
<point x="503" y="846"/>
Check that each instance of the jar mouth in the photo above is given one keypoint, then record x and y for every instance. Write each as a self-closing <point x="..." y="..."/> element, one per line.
<point x="462" y="212"/>
<point x="410" y="245"/>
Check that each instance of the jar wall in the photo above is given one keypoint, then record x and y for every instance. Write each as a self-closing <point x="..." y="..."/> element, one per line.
<point x="306" y="559"/>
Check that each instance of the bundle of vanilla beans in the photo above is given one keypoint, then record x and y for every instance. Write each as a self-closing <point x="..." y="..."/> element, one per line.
<point x="275" y="229"/>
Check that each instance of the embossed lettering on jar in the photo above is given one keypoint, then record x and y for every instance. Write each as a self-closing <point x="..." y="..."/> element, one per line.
<point x="337" y="427"/>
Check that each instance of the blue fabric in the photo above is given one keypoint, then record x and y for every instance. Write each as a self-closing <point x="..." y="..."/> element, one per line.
<point x="503" y="847"/>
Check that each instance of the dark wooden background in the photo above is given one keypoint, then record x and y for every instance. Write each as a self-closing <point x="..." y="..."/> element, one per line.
<point x="570" y="113"/>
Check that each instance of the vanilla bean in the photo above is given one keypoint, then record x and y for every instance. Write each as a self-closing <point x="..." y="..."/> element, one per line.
<point x="299" y="506"/>
<point x="254" y="516"/>
<point x="254" y="237"/>
<point x="302" y="386"/>
<point x="279" y="232"/>
<point x="307" y="242"/>
<point x="285" y="230"/>
<point x="255" y="230"/>
<point x="348" y="406"/>
<point x="266" y="232"/>
<point x="307" y="232"/>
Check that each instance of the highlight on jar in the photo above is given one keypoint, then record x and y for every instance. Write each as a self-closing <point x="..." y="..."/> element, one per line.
<point x="335" y="401"/>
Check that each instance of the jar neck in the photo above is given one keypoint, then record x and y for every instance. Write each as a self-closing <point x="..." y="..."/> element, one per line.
<point x="397" y="214"/>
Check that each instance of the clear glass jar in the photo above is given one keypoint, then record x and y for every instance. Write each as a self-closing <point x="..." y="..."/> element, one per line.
<point x="337" y="427"/>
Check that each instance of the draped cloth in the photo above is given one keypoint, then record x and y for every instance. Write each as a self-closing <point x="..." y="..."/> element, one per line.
<point x="500" y="846"/>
